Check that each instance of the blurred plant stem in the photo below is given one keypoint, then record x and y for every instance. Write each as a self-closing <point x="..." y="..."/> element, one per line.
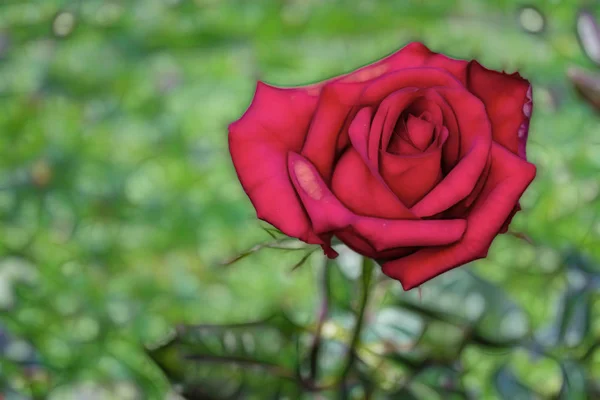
<point x="324" y="282"/>
<point x="367" y="274"/>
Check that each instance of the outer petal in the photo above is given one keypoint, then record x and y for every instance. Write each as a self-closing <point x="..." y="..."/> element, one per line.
<point x="275" y="123"/>
<point x="376" y="90"/>
<point x="507" y="99"/>
<point x="356" y="242"/>
<point x="335" y="107"/>
<point x="508" y="179"/>
<point x="328" y="214"/>
<point x="458" y="68"/>
<point x="412" y="55"/>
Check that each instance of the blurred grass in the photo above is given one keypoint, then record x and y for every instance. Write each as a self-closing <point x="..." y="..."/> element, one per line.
<point x="118" y="199"/>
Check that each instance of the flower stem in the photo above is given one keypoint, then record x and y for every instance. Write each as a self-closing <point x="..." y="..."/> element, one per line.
<point x="367" y="273"/>
<point x="324" y="284"/>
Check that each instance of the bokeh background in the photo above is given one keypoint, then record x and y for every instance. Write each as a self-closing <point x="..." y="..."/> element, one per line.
<point x="119" y="206"/>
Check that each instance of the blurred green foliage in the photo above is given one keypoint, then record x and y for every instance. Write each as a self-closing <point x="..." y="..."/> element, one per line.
<point x="118" y="202"/>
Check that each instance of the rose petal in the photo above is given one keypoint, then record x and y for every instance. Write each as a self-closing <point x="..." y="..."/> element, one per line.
<point x="474" y="147"/>
<point x="378" y="89"/>
<point x="507" y="99"/>
<point x="419" y="131"/>
<point x="335" y="105"/>
<point x="427" y="110"/>
<point x="411" y="177"/>
<point x="275" y="123"/>
<point x="412" y="135"/>
<point x="359" y="136"/>
<point x="363" y="192"/>
<point x="356" y="242"/>
<point x="390" y="110"/>
<point x="424" y="100"/>
<point x="462" y="207"/>
<point x="458" y="68"/>
<point x="357" y="180"/>
<point x="508" y="220"/>
<point x="509" y="177"/>
<point x="328" y="214"/>
<point x="386" y="119"/>
<point x="400" y="146"/>
<point x="414" y="54"/>
<point x="452" y="146"/>
<point x="338" y="99"/>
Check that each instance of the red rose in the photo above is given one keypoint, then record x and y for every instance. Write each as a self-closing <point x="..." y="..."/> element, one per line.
<point x="417" y="160"/>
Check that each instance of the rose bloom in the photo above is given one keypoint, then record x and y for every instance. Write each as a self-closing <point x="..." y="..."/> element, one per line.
<point x="417" y="161"/>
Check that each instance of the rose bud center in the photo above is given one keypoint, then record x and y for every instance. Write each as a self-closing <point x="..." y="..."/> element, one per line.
<point x="411" y="135"/>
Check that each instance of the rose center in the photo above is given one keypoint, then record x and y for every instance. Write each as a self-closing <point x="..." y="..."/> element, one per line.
<point x="412" y="134"/>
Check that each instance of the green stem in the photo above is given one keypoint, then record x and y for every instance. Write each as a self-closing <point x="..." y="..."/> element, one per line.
<point x="324" y="284"/>
<point x="367" y="274"/>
